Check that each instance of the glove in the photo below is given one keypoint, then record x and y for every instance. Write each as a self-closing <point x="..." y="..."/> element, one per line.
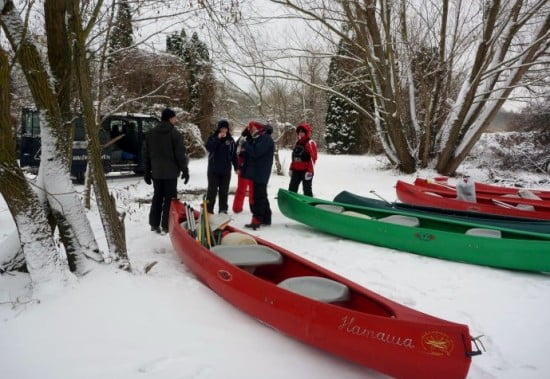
<point x="185" y="177"/>
<point x="147" y="178"/>
<point x="308" y="176"/>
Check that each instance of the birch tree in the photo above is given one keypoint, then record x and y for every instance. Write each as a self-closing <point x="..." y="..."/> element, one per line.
<point x="41" y="255"/>
<point x="56" y="189"/>
<point x="113" y="222"/>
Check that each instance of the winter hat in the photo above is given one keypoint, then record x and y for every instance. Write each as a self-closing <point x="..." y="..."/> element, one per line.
<point x="167" y="114"/>
<point x="256" y="124"/>
<point x="223" y="124"/>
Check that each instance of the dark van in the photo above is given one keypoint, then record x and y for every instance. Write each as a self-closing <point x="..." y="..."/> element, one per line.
<point x="121" y="134"/>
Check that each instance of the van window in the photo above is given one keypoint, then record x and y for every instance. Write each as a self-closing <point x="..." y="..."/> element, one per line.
<point x="79" y="130"/>
<point x="148" y="124"/>
<point x="31" y="124"/>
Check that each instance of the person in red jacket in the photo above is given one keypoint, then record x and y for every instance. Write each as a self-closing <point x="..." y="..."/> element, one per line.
<point x="304" y="157"/>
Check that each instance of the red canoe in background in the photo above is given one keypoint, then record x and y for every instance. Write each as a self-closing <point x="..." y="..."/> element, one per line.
<point x="323" y="309"/>
<point x="485" y="198"/>
<point x="429" y="195"/>
<point x="491" y="189"/>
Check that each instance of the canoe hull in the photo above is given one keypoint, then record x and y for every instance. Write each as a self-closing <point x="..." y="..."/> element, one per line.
<point x="500" y="221"/>
<point x="415" y="195"/>
<point x="521" y="253"/>
<point x="408" y="345"/>
<point x="491" y="189"/>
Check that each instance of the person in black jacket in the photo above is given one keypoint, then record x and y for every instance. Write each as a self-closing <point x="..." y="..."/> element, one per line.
<point x="221" y="156"/>
<point x="164" y="159"/>
<point x="259" y="149"/>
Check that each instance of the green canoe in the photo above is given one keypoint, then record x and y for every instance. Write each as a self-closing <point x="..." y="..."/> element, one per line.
<point x="422" y="234"/>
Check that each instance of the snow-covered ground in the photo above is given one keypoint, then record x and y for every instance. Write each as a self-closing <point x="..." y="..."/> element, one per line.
<point x="165" y="324"/>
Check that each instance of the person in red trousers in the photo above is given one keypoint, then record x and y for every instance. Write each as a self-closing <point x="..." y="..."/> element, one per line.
<point x="244" y="186"/>
<point x="304" y="156"/>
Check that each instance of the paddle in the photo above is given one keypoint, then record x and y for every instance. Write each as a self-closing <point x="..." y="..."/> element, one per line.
<point x="206" y="224"/>
<point x="380" y="197"/>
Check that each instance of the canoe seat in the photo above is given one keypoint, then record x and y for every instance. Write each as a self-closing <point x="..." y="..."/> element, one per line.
<point x="356" y="214"/>
<point x="480" y="232"/>
<point x="525" y="207"/>
<point x="248" y="257"/>
<point x="526" y="194"/>
<point x="317" y="288"/>
<point x="401" y="220"/>
<point x="330" y="207"/>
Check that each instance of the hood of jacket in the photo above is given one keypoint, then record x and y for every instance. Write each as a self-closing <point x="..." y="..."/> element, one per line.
<point x="306" y="127"/>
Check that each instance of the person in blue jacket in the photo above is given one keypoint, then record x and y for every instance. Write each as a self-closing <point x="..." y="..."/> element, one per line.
<point x="222" y="154"/>
<point x="259" y="148"/>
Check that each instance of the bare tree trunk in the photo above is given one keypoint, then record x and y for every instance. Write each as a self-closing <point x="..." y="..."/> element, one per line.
<point x="41" y="255"/>
<point x="476" y="110"/>
<point x="54" y="177"/>
<point x="113" y="222"/>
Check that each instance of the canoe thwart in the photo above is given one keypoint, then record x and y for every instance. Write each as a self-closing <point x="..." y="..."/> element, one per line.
<point x="248" y="256"/>
<point x="480" y="232"/>
<point x="401" y="220"/>
<point x="317" y="288"/>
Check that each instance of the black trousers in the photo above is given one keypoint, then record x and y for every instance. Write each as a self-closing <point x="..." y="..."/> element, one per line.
<point x="164" y="191"/>
<point x="261" y="209"/>
<point x="218" y="184"/>
<point x="297" y="178"/>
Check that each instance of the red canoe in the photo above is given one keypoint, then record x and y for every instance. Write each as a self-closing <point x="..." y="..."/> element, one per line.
<point x="323" y="309"/>
<point x="491" y="189"/>
<point x="485" y="198"/>
<point x="445" y="198"/>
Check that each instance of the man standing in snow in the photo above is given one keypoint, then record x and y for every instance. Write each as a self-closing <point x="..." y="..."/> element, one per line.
<point x="304" y="156"/>
<point x="259" y="149"/>
<point x="164" y="159"/>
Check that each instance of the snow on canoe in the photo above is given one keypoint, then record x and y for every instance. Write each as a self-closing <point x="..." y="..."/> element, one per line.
<point x="526" y="224"/>
<point x="420" y="195"/>
<point x="323" y="309"/>
<point x="422" y="234"/>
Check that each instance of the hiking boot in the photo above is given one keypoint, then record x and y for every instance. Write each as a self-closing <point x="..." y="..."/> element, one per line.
<point x="254" y="224"/>
<point x="164" y="231"/>
<point x="155" y="229"/>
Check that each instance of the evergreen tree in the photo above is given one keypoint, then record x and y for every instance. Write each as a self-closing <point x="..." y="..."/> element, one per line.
<point x="199" y="77"/>
<point x="122" y="30"/>
<point x="176" y="42"/>
<point x="341" y="119"/>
